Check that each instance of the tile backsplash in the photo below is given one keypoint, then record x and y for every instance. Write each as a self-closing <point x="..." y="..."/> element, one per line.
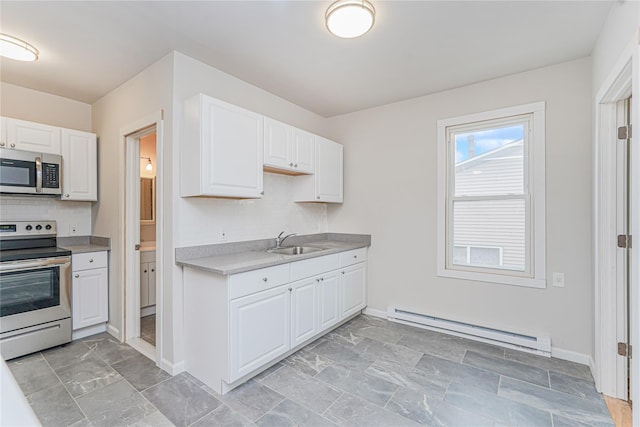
<point x="68" y="215"/>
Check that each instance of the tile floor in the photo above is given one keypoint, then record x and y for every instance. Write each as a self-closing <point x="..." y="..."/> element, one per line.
<point x="368" y="372"/>
<point x="148" y="329"/>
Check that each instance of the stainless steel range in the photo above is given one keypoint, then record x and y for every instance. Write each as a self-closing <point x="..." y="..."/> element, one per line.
<point x="35" y="288"/>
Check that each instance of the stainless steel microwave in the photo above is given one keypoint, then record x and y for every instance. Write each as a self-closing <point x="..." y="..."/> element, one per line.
<point x="26" y="172"/>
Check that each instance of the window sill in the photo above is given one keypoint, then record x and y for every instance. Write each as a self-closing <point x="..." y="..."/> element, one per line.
<point x="493" y="278"/>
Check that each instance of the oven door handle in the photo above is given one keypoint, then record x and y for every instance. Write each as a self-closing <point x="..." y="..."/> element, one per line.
<point x="31" y="264"/>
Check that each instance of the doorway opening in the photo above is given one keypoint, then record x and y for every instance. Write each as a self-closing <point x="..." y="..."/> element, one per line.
<point x="142" y="237"/>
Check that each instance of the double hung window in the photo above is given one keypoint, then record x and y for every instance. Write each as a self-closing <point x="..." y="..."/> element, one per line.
<point x="491" y="198"/>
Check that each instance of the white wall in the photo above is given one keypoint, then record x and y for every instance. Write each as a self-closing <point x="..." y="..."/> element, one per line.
<point x="390" y="192"/>
<point x="145" y="94"/>
<point x="27" y="104"/>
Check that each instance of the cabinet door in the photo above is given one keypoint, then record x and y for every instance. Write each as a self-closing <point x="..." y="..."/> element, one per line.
<point x="29" y="136"/>
<point x="304" y="323"/>
<point x="232" y="150"/>
<point x="144" y="284"/>
<point x="303" y="151"/>
<point x="79" y="165"/>
<point x="90" y="297"/>
<point x="353" y="289"/>
<point x="152" y="283"/>
<point x="328" y="297"/>
<point x="329" y="171"/>
<point x="259" y="329"/>
<point x="277" y="144"/>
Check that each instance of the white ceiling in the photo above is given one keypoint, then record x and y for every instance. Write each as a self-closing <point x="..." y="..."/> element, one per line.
<point x="87" y="48"/>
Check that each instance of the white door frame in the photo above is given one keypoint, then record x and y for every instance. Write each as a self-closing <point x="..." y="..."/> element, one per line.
<point x="623" y="82"/>
<point x="130" y="220"/>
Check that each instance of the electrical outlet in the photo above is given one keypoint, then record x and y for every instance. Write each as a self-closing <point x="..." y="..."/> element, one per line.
<point x="73" y="229"/>
<point x="558" y="280"/>
<point x="223" y="236"/>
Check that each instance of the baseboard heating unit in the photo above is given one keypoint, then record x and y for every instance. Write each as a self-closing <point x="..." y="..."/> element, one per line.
<point x="531" y="344"/>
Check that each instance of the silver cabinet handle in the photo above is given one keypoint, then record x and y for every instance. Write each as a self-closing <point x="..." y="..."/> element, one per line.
<point x="145" y="271"/>
<point x="342" y="272"/>
<point x="355" y="256"/>
<point x="13" y="145"/>
<point x="318" y="197"/>
<point x="295" y="166"/>
<point x="2" y="144"/>
<point x="264" y="279"/>
<point x="66" y="195"/>
<point x="290" y="289"/>
<point x="91" y="260"/>
<point x="291" y="164"/>
<point x="76" y="276"/>
<point x="153" y="270"/>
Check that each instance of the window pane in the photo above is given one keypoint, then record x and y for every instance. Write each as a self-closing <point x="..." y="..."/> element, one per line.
<point x="489" y="162"/>
<point x="494" y="224"/>
<point x="460" y="255"/>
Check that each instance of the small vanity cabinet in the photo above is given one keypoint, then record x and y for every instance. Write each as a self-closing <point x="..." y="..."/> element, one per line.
<point x="147" y="279"/>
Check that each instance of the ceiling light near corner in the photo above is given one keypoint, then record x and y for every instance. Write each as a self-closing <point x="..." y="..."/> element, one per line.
<point x="350" y="18"/>
<point x="14" y="48"/>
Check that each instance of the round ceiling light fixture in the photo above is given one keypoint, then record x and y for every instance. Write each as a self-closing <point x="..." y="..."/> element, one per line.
<point x="15" y="48"/>
<point x="350" y="18"/>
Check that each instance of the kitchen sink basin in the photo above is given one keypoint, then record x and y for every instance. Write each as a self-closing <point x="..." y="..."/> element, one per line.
<point x="295" y="250"/>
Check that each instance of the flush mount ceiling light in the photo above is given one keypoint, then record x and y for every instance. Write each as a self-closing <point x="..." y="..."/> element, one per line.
<point x="350" y="18"/>
<point x="14" y="48"/>
<point x="149" y="166"/>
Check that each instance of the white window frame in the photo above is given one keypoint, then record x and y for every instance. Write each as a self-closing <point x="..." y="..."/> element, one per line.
<point x="535" y="274"/>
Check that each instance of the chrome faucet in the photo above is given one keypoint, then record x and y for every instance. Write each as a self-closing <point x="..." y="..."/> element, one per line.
<point x="280" y="240"/>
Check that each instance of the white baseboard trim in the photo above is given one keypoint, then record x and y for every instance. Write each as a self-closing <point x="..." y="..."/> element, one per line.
<point x="172" y="368"/>
<point x="592" y="367"/>
<point x="88" y="331"/>
<point x="114" y="332"/>
<point x="148" y="311"/>
<point x="375" y="312"/>
<point x="571" y="356"/>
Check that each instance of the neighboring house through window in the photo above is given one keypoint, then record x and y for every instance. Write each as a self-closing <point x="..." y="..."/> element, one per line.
<point x="491" y="196"/>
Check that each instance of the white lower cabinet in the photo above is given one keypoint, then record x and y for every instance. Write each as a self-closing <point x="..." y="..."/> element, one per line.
<point x="304" y="311"/>
<point x="147" y="279"/>
<point x="255" y="318"/>
<point x="259" y="329"/>
<point x="90" y="289"/>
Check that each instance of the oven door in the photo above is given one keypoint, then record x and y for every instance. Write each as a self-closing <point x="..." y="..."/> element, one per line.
<point x="34" y="292"/>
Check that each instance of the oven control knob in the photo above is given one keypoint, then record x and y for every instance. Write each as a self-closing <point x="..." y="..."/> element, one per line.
<point x="48" y="227"/>
<point x="38" y="227"/>
<point x="28" y="227"/>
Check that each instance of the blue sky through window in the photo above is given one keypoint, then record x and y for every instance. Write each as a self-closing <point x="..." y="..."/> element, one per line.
<point x="485" y="140"/>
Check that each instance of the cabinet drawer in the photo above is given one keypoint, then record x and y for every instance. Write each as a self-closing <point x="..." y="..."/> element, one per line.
<point x="258" y="280"/>
<point x="88" y="261"/>
<point x="353" y="257"/>
<point x="148" y="256"/>
<point x="314" y="266"/>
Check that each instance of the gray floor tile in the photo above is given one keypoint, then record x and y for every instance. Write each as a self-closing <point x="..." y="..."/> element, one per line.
<point x="361" y="384"/>
<point x="429" y="342"/>
<point x="384" y="350"/>
<point x="252" y="399"/>
<point x="223" y="416"/>
<point x="573" y="385"/>
<point x="424" y="381"/>
<point x="560" y="421"/>
<point x="88" y="375"/>
<point x="456" y="372"/>
<point x="180" y="400"/>
<point x="551" y="363"/>
<point x="264" y="374"/>
<point x="302" y="388"/>
<point x="289" y="413"/>
<point x="352" y="411"/>
<point x="68" y="354"/>
<point x="357" y="330"/>
<point x="500" y="409"/>
<point x="116" y="404"/>
<point x="148" y="329"/>
<point x="33" y="374"/>
<point x="307" y="362"/>
<point x="55" y="407"/>
<point x="155" y="419"/>
<point x="559" y="403"/>
<point x="508" y="368"/>
<point x="140" y="372"/>
<point x="345" y="355"/>
<point x="109" y="349"/>
<point x="82" y="423"/>
<point x="428" y="410"/>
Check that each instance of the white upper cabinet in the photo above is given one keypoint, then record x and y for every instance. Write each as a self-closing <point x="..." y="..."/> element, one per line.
<point x="287" y="149"/>
<point x="79" y="165"/>
<point x="222" y="150"/>
<point x="326" y="184"/>
<point x="22" y="135"/>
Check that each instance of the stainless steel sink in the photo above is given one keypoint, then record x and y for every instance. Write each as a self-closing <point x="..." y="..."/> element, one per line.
<point x="295" y="250"/>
